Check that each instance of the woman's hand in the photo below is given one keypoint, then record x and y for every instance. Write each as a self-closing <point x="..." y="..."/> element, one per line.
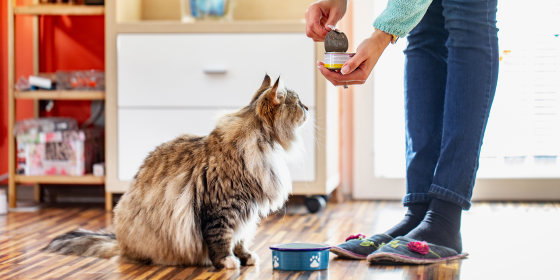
<point x="321" y="14"/>
<point x="356" y="70"/>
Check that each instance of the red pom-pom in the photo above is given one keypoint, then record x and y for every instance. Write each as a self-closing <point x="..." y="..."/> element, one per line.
<point x="355" y="236"/>
<point x="420" y="247"/>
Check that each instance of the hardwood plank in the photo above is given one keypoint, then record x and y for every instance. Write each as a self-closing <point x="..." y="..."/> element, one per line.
<point x="61" y="95"/>
<point x="59" y="9"/>
<point x="493" y="233"/>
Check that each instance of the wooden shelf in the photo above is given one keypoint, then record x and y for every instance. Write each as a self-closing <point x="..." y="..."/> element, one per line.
<point x="59" y="9"/>
<point x="60" y="95"/>
<point x="235" y="26"/>
<point x="61" y="179"/>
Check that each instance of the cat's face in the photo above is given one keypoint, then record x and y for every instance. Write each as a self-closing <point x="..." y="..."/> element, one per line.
<point x="294" y="110"/>
<point x="278" y="107"/>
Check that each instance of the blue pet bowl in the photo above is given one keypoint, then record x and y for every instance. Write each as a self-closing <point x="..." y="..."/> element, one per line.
<point x="300" y="256"/>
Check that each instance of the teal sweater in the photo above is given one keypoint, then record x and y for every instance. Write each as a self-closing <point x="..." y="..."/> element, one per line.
<point x="401" y="16"/>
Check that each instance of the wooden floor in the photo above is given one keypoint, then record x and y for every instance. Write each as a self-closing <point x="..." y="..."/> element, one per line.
<point x="505" y="241"/>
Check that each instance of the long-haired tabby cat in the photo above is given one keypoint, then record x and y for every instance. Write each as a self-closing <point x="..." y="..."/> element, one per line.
<point x="198" y="200"/>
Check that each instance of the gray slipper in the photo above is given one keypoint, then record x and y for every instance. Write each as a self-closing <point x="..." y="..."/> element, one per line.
<point x="358" y="247"/>
<point x="404" y="250"/>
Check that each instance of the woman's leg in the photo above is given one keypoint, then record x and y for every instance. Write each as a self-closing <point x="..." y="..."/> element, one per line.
<point x="425" y="78"/>
<point x="472" y="71"/>
<point x="471" y="84"/>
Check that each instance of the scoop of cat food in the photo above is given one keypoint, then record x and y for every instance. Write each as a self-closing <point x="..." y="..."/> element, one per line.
<point x="336" y="41"/>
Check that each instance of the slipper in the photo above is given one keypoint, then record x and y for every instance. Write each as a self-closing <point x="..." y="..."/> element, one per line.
<point x="358" y="247"/>
<point x="404" y="250"/>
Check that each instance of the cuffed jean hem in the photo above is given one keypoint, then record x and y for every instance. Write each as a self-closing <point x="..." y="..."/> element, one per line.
<point x="442" y="193"/>
<point x="414" y="198"/>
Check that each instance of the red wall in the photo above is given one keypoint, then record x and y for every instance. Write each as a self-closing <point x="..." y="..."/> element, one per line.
<point x="3" y="88"/>
<point x="66" y="43"/>
<point x="72" y="43"/>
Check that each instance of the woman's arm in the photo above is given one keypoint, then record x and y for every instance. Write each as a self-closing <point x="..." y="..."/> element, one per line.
<point x="321" y="14"/>
<point x="356" y="70"/>
<point x="401" y="16"/>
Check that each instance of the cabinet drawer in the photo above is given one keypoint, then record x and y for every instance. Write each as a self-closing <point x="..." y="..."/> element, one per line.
<point x="141" y="130"/>
<point x="210" y="70"/>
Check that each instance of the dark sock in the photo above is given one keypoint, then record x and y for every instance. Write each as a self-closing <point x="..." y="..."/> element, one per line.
<point x="411" y="219"/>
<point x="441" y="225"/>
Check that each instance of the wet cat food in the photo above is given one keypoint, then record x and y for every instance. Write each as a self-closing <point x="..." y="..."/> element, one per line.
<point x="336" y="45"/>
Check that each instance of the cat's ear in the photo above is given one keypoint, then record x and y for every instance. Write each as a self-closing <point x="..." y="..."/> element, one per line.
<point x="265" y="83"/>
<point x="267" y="103"/>
<point x="273" y="93"/>
<point x="275" y="86"/>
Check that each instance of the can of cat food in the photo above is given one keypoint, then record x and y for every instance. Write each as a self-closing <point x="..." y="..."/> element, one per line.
<point x="335" y="60"/>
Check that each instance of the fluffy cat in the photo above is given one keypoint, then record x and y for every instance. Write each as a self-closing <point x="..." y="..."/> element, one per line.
<point x="197" y="200"/>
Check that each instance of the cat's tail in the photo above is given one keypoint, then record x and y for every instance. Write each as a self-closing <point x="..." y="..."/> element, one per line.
<point x="85" y="243"/>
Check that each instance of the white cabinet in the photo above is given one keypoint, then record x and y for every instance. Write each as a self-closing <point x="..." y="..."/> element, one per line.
<point x="161" y="85"/>
<point x="210" y="70"/>
<point x="142" y="129"/>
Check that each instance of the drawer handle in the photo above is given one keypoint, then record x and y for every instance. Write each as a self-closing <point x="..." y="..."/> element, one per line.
<point x="215" y="69"/>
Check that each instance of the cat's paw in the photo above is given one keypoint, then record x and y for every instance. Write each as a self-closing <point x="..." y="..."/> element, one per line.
<point x="230" y="262"/>
<point x="252" y="259"/>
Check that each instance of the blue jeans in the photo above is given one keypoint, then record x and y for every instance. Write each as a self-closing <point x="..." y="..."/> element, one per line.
<point x="451" y="73"/>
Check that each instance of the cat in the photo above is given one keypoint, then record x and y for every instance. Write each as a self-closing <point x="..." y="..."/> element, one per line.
<point x="197" y="200"/>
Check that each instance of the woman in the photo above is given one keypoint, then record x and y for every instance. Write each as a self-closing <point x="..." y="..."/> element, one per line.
<point x="451" y="71"/>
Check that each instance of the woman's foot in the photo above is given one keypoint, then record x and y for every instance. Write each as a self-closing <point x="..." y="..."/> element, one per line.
<point x="404" y="250"/>
<point x="359" y="248"/>
<point x="412" y="219"/>
<point x="437" y="238"/>
<point x="441" y="225"/>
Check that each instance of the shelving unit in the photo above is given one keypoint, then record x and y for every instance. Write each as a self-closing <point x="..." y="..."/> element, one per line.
<point x="36" y="10"/>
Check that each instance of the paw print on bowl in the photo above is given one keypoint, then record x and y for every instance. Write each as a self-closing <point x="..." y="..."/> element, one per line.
<point x="275" y="262"/>
<point x="314" y="262"/>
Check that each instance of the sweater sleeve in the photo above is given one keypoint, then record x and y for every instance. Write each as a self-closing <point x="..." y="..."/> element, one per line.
<point x="401" y="16"/>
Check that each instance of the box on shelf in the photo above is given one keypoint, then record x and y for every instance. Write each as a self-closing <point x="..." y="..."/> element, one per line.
<point x="45" y="125"/>
<point x="99" y="169"/>
<point x="80" y="80"/>
<point x="42" y="150"/>
<point x="63" y="80"/>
